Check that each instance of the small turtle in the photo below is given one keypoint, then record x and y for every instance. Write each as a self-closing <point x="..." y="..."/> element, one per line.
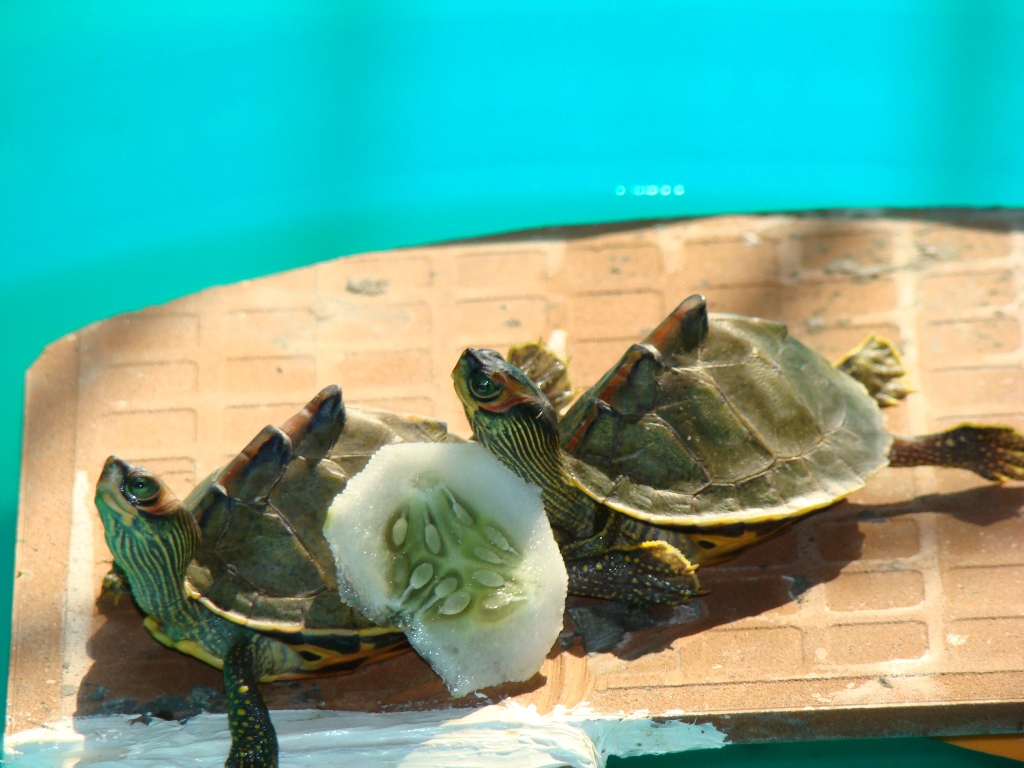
<point x="239" y="574"/>
<point x="713" y="433"/>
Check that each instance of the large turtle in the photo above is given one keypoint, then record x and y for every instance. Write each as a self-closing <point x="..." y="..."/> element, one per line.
<point x="713" y="433"/>
<point x="239" y="574"/>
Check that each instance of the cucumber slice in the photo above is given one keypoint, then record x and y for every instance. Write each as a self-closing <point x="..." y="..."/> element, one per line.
<point x="445" y="542"/>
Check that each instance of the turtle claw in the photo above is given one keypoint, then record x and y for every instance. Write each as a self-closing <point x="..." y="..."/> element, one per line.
<point x="650" y="573"/>
<point x="1010" y="468"/>
<point x="999" y="452"/>
<point x="876" y="364"/>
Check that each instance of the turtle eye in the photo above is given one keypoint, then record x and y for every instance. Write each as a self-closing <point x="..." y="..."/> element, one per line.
<point x="142" y="488"/>
<point x="483" y="387"/>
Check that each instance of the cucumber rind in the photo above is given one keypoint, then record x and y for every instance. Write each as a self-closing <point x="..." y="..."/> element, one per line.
<point x="443" y="541"/>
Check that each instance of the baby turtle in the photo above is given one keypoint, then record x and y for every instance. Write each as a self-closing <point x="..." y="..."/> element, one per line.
<point x="713" y="433"/>
<point x="239" y="574"/>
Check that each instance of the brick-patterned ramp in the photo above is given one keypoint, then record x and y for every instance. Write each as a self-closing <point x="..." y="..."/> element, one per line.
<point x="898" y="612"/>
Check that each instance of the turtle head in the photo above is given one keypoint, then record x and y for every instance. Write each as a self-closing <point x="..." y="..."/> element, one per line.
<point x="127" y="494"/>
<point x="151" y="534"/>
<point x="510" y="416"/>
<point x="489" y="388"/>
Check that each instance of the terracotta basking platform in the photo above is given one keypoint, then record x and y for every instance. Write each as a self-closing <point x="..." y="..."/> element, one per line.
<point x="898" y="612"/>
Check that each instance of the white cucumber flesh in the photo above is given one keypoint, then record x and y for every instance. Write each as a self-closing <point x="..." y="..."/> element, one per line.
<point x="445" y="542"/>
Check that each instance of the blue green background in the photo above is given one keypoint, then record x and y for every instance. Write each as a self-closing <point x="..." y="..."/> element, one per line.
<point x="148" y="150"/>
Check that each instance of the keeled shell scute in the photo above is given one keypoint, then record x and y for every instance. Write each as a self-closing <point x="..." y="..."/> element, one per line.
<point x="749" y="426"/>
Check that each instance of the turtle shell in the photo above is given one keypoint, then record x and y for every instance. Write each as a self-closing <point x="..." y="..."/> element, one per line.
<point x="263" y="561"/>
<point x="721" y="419"/>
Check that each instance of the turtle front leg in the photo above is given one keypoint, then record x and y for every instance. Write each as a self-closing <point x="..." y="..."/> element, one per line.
<point x="115" y="584"/>
<point x="604" y="539"/>
<point x="995" y="453"/>
<point x="546" y="368"/>
<point x="648" y="573"/>
<point x="877" y="365"/>
<point x="253" y="740"/>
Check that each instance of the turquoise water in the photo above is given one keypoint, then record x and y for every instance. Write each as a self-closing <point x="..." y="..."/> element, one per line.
<point x="149" y="150"/>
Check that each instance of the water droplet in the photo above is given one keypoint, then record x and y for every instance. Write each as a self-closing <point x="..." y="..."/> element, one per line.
<point x="446" y="586"/>
<point x="432" y="537"/>
<point x="488" y="578"/>
<point x="483" y="553"/>
<point x="399" y="531"/>
<point x="424" y="572"/>
<point x="456" y="602"/>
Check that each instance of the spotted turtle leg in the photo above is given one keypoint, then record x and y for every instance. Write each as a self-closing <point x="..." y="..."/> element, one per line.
<point x="649" y="573"/>
<point x="995" y="453"/>
<point x="253" y="739"/>
<point x="598" y="543"/>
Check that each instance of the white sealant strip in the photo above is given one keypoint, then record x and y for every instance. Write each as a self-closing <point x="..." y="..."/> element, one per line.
<point x="79" y="591"/>
<point x="497" y="736"/>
